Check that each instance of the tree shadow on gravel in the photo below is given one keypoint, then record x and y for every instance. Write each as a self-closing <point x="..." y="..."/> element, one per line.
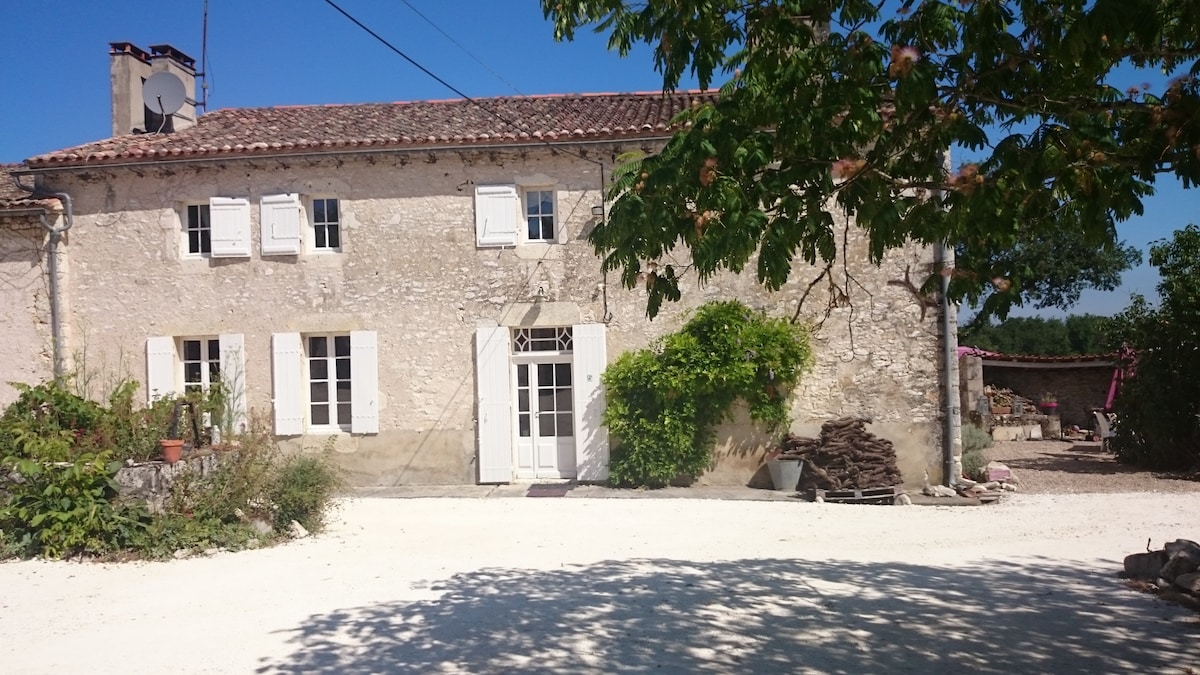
<point x="1083" y="459"/>
<point x="768" y="615"/>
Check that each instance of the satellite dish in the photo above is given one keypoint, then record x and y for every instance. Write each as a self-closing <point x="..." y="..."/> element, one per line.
<point x="163" y="93"/>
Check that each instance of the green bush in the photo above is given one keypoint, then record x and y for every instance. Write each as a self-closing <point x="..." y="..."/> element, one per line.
<point x="61" y="509"/>
<point x="973" y="462"/>
<point x="974" y="438"/>
<point x="1158" y="414"/>
<point x="303" y="490"/>
<point x="258" y="481"/>
<point x="171" y="532"/>
<point x="664" y="402"/>
<point x="49" y="411"/>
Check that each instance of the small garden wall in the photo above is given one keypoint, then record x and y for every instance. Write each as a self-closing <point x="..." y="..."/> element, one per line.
<point x="151" y="481"/>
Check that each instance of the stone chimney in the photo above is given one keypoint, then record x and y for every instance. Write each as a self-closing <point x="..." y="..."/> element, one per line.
<point x="129" y="68"/>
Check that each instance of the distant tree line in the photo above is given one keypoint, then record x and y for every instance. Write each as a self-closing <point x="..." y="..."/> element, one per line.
<point x="1077" y="334"/>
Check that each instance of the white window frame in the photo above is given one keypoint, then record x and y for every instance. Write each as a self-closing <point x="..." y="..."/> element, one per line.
<point x="339" y="224"/>
<point x="331" y="381"/>
<point x="166" y="370"/>
<point x="206" y="361"/>
<point x="291" y="384"/>
<point x="526" y="191"/>
<point x="204" y="227"/>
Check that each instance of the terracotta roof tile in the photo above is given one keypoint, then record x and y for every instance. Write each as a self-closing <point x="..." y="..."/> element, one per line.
<point x="12" y="198"/>
<point x="329" y="128"/>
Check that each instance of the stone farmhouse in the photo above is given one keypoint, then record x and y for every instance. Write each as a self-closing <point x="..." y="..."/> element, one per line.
<point x="414" y="278"/>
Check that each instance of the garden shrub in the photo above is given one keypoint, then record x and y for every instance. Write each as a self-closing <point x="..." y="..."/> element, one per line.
<point x="974" y="441"/>
<point x="62" y="509"/>
<point x="59" y="455"/>
<point x="1158" y="408"/>
<point x="304" y="488"/>
<point x="664" y="402"/>
<point x="47" y="411"/>
<point x="974" y="438"/>
<point x="258" y="481"/>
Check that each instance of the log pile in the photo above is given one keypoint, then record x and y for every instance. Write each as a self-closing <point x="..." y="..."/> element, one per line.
<point x="846" y="456"/>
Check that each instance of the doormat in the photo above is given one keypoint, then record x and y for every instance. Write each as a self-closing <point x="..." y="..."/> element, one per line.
<point x="549" y="490"/>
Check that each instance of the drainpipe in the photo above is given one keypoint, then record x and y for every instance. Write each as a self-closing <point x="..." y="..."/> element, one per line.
<point x="952" y="432"/>
<point x="56" y="234"/>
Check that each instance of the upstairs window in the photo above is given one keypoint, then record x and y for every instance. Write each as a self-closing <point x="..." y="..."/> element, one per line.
<point x="327" y="231"/>
<point x="539" y="215"/>
<point x="199" y="229"/>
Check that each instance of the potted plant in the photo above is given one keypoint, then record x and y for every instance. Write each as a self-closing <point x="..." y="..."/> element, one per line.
<point x="1048" y="403"/>
<point x="172" y="449"/>
<point x="172" y="445"/>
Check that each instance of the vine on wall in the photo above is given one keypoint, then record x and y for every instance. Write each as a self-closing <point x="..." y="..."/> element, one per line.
<point x="665" y="401"/>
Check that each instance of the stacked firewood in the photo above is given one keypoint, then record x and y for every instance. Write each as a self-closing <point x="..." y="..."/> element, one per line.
<point x="846" y="456"/>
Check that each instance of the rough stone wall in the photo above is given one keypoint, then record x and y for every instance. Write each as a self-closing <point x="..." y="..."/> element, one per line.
<point x="410" y="270"/>
<point x="24" y="306"/>
<point x="150" y="482"/>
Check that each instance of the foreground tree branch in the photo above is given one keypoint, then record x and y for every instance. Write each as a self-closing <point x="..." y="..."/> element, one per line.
<point x="834" y="106"/>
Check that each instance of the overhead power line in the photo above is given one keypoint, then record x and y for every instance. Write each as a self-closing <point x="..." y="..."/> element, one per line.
<point x="458" y="91"/>
<point x="466" y="51"/>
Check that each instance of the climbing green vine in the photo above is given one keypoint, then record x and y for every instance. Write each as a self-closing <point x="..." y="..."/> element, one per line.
<point x="664" y="402"/>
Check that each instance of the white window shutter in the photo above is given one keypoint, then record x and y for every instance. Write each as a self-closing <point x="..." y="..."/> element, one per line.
<point x="493" y="392"/>
<point x="279" y="224"/>
<point x="590" y="352"/>
<point x="288" y="387"/>
<point x="233" y="376"/>
<point x="230" y="222"/>
<point x="364" y="382"/>
<point x="497" y="214"/>
<point x="160" y="368"/>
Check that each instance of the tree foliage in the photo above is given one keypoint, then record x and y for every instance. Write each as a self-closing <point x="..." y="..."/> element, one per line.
<point x="1159" y="404"/>
<point x="1077" y="334"/>
<point x="841" y="106"/>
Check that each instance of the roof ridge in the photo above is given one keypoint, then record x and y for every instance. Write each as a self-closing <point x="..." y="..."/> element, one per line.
<point x="329" y="128"/>
<point x="479" y="99"/>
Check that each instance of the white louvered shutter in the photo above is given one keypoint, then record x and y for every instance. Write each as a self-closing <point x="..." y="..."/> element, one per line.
<point x="497" y="215"/>
<point x="233" y="376"/>
<point x="229" y="218"/>
<point x="287" y="384"/>
<point x="493" y="392"/>
<point x="279" y="224"/>
<point x="160" y="368"/>
<point x="591" y="436"/>
<point x="364" y="382"/>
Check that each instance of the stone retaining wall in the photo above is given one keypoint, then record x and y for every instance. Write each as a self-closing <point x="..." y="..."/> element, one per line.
<point x="151" y="481"/>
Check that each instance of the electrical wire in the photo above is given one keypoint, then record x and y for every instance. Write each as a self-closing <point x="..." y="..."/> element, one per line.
<point x="455" y="89"/>
<point x="466" y="51"/>
<point x="498" y="116"/>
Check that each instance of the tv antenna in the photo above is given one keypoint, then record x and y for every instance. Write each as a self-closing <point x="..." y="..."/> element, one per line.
<point x="164" y="94"/>
<point x="204" y="59"/>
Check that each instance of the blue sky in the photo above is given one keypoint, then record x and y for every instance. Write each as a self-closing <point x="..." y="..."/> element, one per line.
<point x="54" y="71"/>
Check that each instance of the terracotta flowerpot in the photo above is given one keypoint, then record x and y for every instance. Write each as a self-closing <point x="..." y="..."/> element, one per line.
<point x="172" y="449"/>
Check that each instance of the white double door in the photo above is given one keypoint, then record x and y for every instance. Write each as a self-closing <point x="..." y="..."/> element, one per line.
<point x="545" y="417"/>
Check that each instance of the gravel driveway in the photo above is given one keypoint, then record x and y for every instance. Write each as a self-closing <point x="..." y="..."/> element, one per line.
<point x="497" y="585"/>
<point x="1068" y="467"/>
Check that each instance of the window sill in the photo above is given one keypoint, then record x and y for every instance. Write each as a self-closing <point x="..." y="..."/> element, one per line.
<point x="326" y="430"/>
<point x="539" y="250"/>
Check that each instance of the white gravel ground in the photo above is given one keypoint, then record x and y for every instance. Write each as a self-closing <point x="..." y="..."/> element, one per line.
<point x="617" y="585"/>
